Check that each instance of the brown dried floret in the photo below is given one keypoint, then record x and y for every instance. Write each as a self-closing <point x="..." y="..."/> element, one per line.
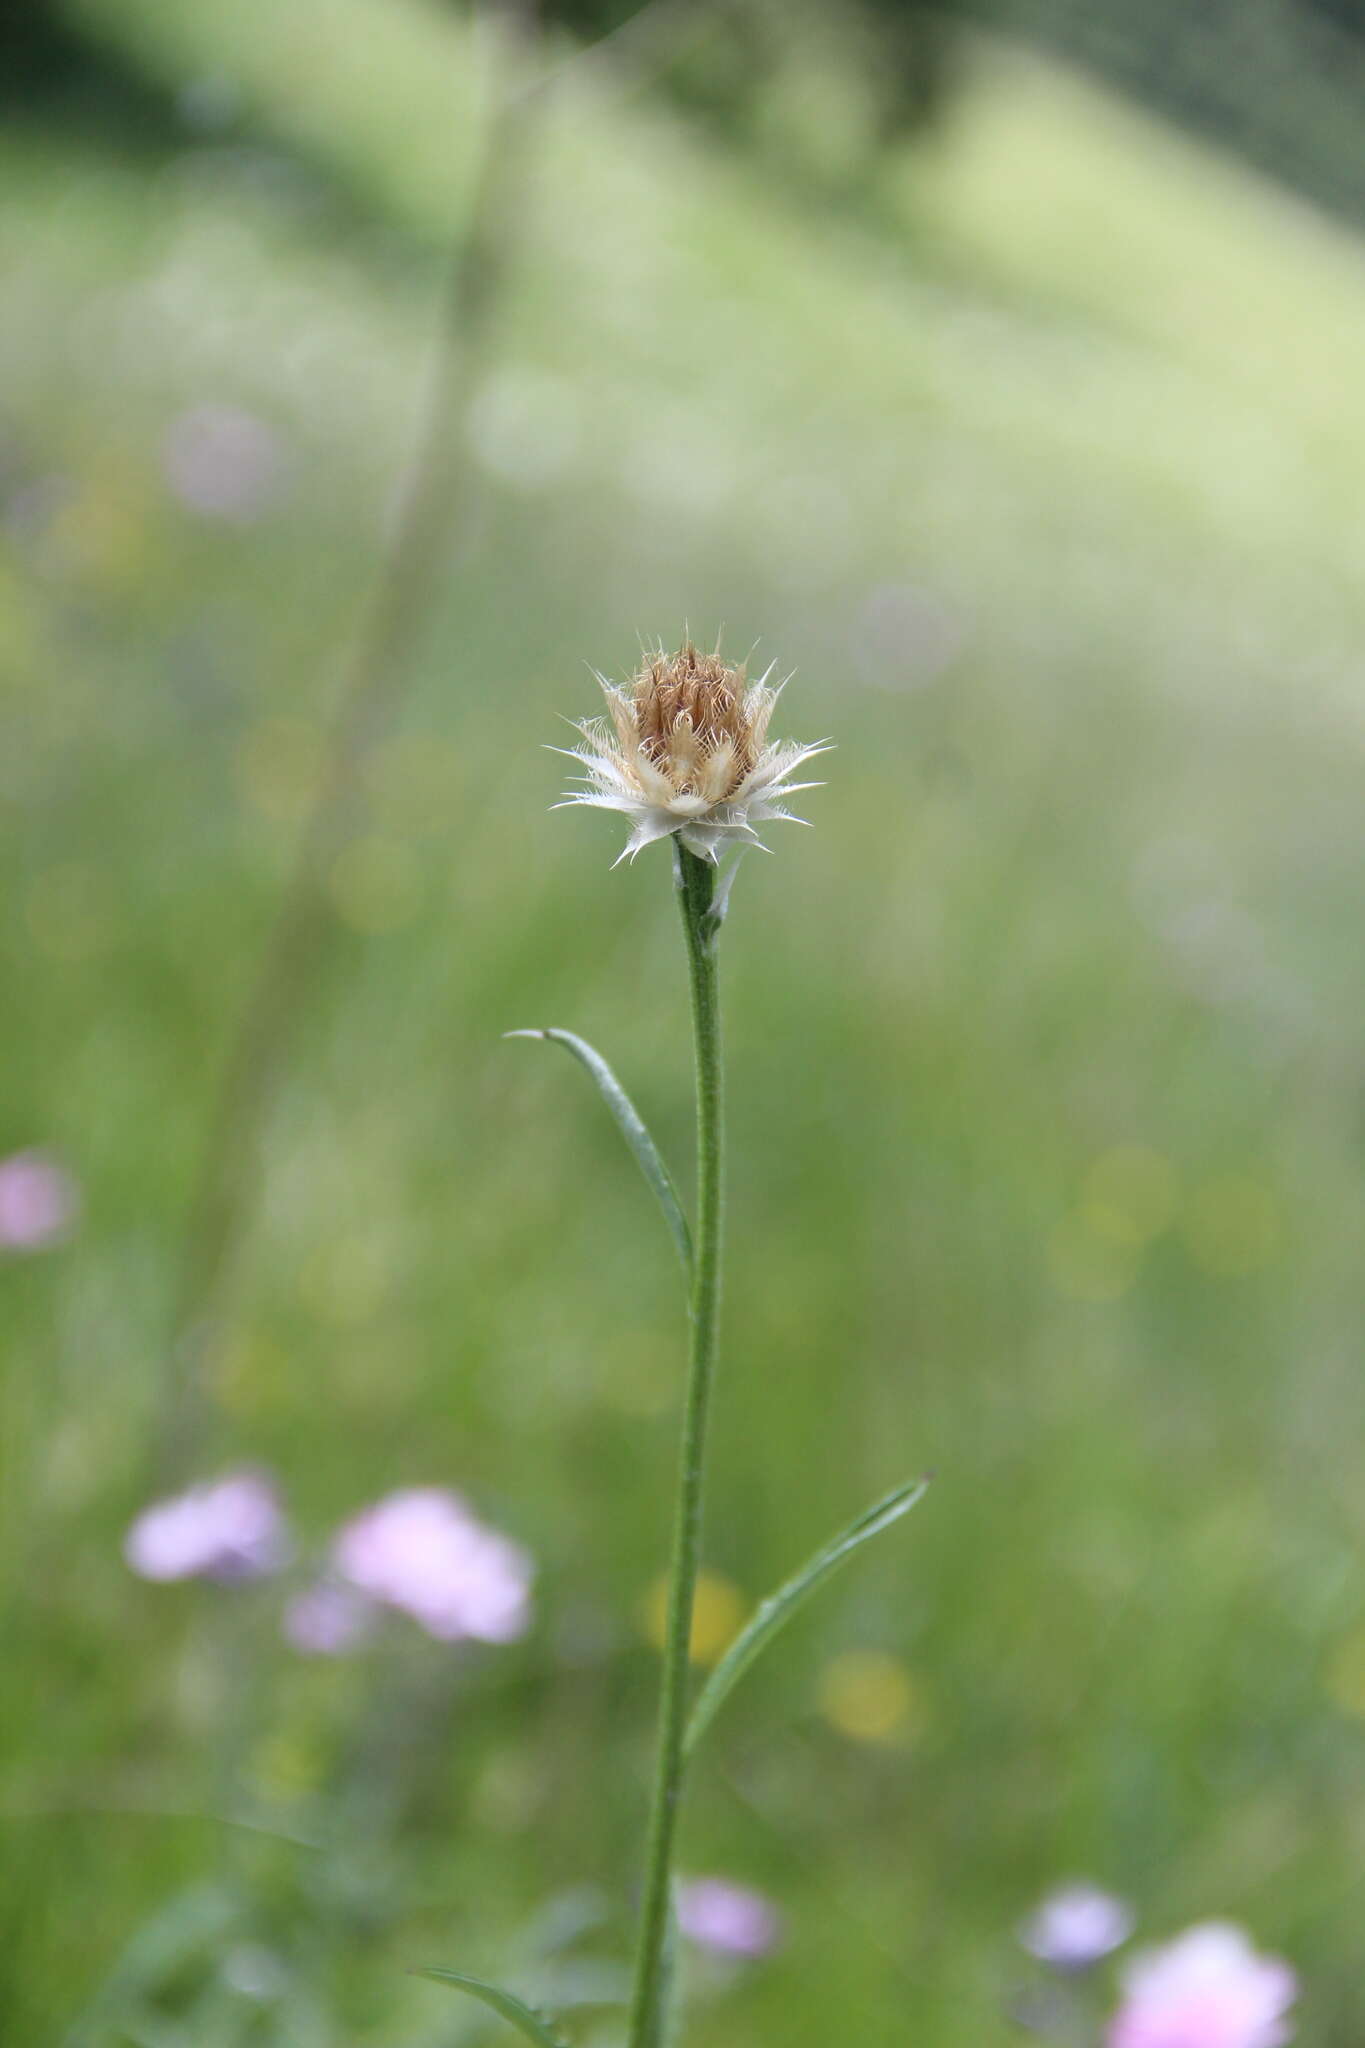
<point x="690" y="707"/>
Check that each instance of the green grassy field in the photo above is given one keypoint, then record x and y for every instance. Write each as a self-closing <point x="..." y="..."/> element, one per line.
<point x="1042" y="467"/>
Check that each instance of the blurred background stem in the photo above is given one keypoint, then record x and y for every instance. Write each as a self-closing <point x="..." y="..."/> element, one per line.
<point x="419" y="551"/>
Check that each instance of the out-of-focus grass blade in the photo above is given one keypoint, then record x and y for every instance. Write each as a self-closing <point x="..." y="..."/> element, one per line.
<point x="632" y="1128"/>
<point x="777" y="1610"/>
<point x="199" y="1921"/>
<point x="533" y="2025"/>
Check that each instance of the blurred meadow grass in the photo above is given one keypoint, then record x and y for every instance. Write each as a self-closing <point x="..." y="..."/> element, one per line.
<point x="1041" y="464"/>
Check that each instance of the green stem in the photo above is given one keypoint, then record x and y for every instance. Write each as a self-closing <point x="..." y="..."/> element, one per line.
<point x="696" y="880"/>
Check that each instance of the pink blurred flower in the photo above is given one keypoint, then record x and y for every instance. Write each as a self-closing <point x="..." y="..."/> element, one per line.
<point x="422" y="1550"/>
<point x="1207" y="1989"/>
<point x="38" y="1201"/>
<point x="222" y="462"/>
<point x="1076" y="1926"/>
<point x="727" y="1918"/>
<point x="327" y="1620"/>
<point x="230" y="1528"/>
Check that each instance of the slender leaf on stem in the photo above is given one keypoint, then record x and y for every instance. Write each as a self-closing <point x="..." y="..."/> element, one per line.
<point x="777" y="1610"/>
<point x="533" y="2025"/>
<point x="633" y="1129"/>
<point x="720" y="902"/>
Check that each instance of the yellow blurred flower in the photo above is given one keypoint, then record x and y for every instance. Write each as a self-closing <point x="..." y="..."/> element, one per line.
<point x="718" y="1614"/>
<point x="104" y="533"/>
<point x="1129" y="1194"/>
<point x="870" y="1696"/>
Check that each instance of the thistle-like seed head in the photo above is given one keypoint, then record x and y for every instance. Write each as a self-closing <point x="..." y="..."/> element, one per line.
<point x="690" y="718"/>
<point x="687" y="751"/>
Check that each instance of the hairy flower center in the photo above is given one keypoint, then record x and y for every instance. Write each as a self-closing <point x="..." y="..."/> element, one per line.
<point x="691" y="721"/>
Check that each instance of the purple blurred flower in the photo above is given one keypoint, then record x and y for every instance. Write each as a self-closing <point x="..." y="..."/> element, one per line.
<point x="727" y="1918"/>
<point x="231" y="1528"/>
<point x="327" y="1620"/>
<point x="1076" y="1926"/>
<point x="1207" y="1989"/>
<point x="423" y="1551"/>
<point x="222" y="462"/>
<point x="905" y="636"/>
<point x="38" y="1201"/>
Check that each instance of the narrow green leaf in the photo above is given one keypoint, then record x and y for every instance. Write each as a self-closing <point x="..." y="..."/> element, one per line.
<point x="777" y="1610"/>
<point x="633" y="1129"/>
<point x="534" y="2025"/>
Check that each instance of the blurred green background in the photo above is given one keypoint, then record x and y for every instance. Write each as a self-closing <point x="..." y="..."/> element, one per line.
<point x="1029" y="429"/>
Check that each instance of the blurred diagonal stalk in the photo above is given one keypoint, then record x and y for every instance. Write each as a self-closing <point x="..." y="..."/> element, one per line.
<point x="420" y="548"/>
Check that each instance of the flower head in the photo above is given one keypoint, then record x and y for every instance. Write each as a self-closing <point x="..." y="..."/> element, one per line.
<point x="1076" y="1926"/>
<point x="686" y="749"/>
<point x="727" y="1918"/>
<point x="223" y="463"/>
<point x="327" y="1619"/>
<point x="231" y="1528"/>
<point x="38" y="1201"/>
<point x="1207" y="1989"/>
<point x="423" y="1551"/>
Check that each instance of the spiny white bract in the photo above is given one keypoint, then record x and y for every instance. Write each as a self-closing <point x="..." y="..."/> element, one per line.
<point x="687" y="751"/>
